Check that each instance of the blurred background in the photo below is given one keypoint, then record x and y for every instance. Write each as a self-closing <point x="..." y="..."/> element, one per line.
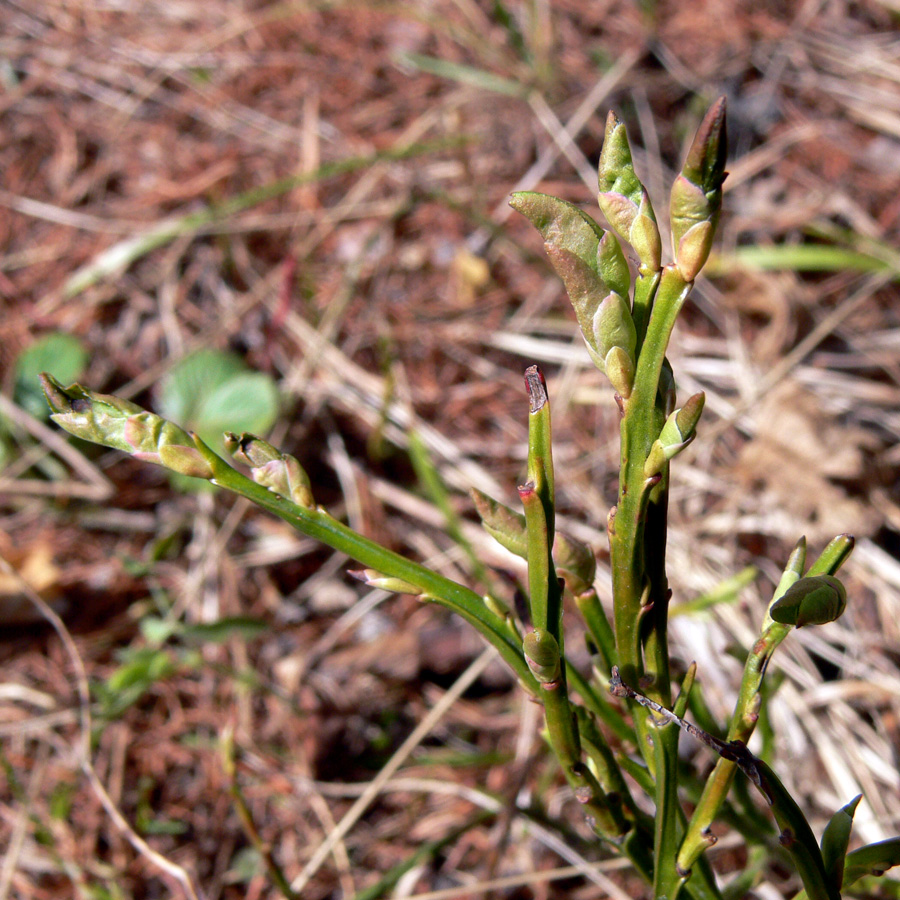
<point x="291" y="218"/>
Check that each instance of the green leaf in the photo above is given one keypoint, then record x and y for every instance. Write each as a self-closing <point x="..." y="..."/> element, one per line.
<point x="835" y="840"/>
<point x="191" y="380"/>
<point x="873" y="859"/>
<point x="562" y="225"/>
<point x="813" y="600"/>
<point x="142" y="667"/>
<point x="211" y="392"/>
<point x="157" y="631"/>
<point x="62" y="355"/>
<point x="246" y="402"/>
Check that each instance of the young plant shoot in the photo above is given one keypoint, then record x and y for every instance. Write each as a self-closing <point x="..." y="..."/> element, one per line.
<point x="624" y="717"/>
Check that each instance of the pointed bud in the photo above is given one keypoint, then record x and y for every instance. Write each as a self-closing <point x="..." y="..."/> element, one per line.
<point x="279" y="472"/>
<point x="697" y="194"/>
<point x="677" y="432"/>
<point x="249" y="449"/>
<point x="497" y="607"/>
<point x="542" y="655"/>
<point x="376" y="579"/>
<point x="836" y="840"/>
<point x="681" y="424"/>
<point x="113" y="422"/>
<point x="814" y="600"/>
<point x="688" y="416"/>
<point x="705" y="161"/>
<point x="622" y="197"/>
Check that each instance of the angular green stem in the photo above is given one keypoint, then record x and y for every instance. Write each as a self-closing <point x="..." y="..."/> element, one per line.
<point x="698" y="837"/>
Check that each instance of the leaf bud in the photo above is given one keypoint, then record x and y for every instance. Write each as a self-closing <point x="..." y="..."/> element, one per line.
<point x="612" y="326"/>
<point x="688" y="416"/>
<point x="376" y="579"/>
<point x="279" y="472"/>
<point x="123" y="425"/>
<point x="156" y="440"/>
<point x="696" y="198"/>
<point x="99" y="418"/>
<point x="542" y="655"/>
<point x="656" y="460"/>
<point x="693" y="249"/>
<point x="622" y="197"/>
<point x="644" y="236"/>
<point x="814" y="600"/>
<point x="249" y="449"/>
<point x="504" y="525"/>
<point x="677" y="432"/>
<point x="616" y="173"/>
<point x="619" y="368"/>
<point x="575" y="561"/>
<point x="496" y="606"/>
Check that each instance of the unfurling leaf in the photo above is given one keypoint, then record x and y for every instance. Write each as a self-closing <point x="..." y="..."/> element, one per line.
<point x="385" y="582"/>
<point x="697" y="194"/>
<point x="622" y="197"/>
<point x="677" y="432"/>
<point x="123" y="425"/>
<point x="814" y="600"/>
<point x="836" y="839"/>
<point x="504" y="525"/>
<point x="595" y="273"/>
<point x="271" y="468"/>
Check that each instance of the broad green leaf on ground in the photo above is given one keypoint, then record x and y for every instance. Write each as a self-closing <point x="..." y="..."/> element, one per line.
<point x="62" y="355"/>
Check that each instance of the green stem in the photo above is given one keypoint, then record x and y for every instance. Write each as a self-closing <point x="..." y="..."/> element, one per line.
<point x="610" y="715"/>
<point x="245" y="816"/>
<point x="644" y="291"/>
<point x="546" y="613"/>
<point x="796" y="835"/>
<point x="667" y="878"/>
<point x="318" y="524"/>
<point x="630" y="547"/>
<point x="637" y="546"/>
<point x="598" y="626"/>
